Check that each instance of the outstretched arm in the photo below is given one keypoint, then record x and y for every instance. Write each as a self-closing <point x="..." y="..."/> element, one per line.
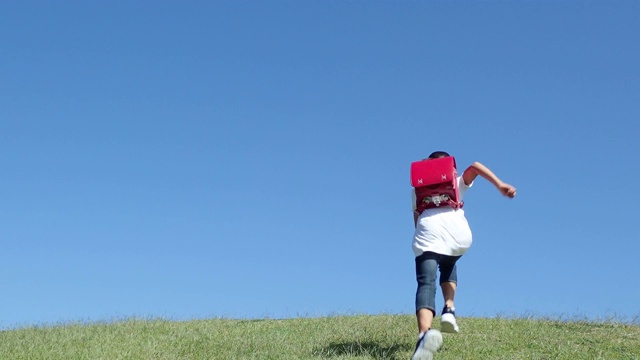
<point x="478" y="169"/>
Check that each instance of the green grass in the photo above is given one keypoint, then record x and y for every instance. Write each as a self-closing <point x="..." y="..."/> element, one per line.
<point x="339" y="337"/>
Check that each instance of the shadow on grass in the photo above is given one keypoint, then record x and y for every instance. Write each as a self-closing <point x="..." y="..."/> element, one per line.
<point x="368" y="349"/>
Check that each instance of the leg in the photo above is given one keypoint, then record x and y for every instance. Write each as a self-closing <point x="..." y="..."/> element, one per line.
<point x="448" y="283"/>
<point x="429" y="341"/>
<point x="449" y="279"/>
<point x="449" y="293"/>
<point x="426" y="273"/>
<point x="425" y="318"/>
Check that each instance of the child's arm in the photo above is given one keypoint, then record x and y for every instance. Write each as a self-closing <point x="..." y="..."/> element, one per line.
<point x="478" y="169"/>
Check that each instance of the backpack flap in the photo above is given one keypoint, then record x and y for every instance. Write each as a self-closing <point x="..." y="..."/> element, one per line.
<point x="433" y="171"/>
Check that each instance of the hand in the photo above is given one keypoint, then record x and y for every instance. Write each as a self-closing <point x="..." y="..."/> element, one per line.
<point x="507" y="190"/>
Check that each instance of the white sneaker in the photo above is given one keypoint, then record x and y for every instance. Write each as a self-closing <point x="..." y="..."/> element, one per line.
<point x="448" y="321"/>
<point x="428" y="345"/>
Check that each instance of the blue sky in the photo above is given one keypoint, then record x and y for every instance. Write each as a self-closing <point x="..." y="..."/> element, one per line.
<point x="249" y="159"/>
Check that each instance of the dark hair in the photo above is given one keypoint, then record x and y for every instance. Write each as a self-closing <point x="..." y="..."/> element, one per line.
<point x="438" y="154"/>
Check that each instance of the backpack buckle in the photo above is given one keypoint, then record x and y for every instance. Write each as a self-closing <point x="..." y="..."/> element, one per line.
<point x="437" y="199"/>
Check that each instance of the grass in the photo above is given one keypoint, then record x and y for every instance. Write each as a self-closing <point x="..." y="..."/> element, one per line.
<point x="340" y="337"/>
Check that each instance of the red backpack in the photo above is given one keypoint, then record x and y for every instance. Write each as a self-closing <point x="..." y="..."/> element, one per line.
<point x="436" y="183"/>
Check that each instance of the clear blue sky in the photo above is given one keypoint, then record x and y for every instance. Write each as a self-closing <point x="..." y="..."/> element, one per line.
<point x="250" y="159"/>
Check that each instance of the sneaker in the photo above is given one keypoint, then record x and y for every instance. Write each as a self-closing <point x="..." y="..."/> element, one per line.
<point x="427" y="345"/>
<point x="448" y="320"/>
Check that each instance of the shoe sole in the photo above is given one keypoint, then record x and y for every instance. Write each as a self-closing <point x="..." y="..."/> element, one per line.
<point x="448" y="324"/>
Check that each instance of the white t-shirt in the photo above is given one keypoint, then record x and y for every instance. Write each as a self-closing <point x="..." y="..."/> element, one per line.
<point x="442" y="230"/>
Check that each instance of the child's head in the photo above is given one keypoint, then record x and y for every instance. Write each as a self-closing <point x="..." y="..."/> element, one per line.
<point x="438" y="154"/>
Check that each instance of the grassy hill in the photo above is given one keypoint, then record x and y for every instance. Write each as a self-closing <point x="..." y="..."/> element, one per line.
<point x="340" y="337"/>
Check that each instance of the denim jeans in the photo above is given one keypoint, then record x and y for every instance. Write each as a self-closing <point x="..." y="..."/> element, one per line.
<point x="427" y="265"/>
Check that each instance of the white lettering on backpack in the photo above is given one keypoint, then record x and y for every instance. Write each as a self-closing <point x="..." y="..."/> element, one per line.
<point x="419" y="181"/>
<point x="444" y="176"/>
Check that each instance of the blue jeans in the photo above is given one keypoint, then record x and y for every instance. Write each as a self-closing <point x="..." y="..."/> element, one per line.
<point x="427" y="266"/>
